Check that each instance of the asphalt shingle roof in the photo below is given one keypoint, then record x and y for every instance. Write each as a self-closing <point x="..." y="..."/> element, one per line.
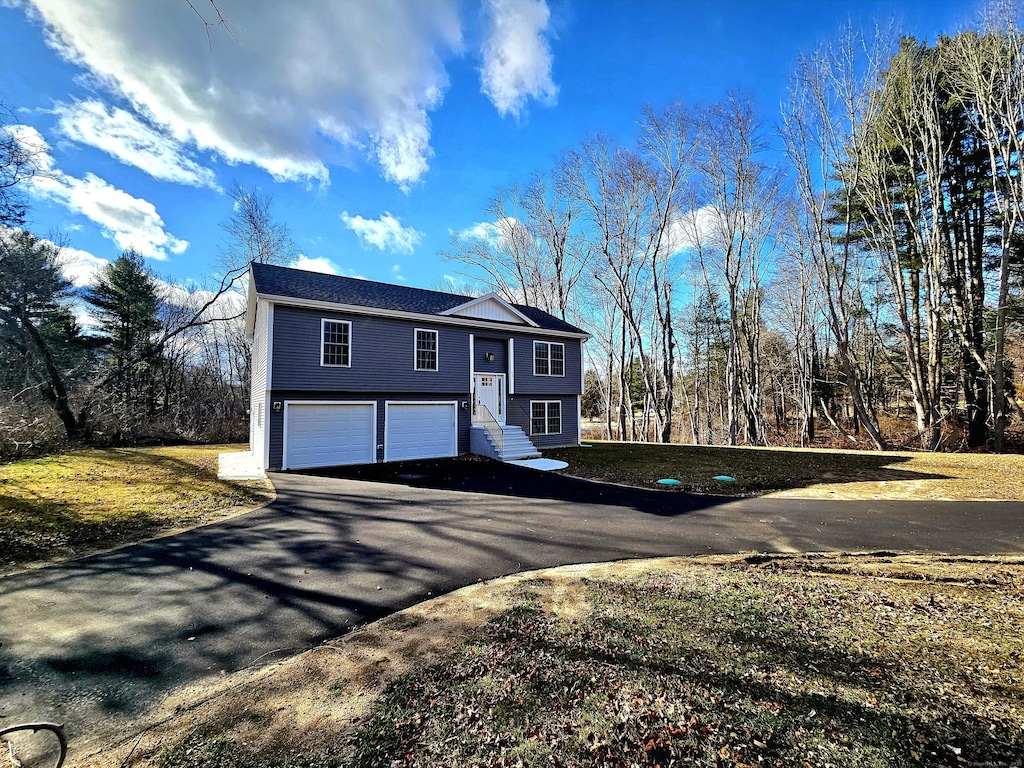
<point x="273" y="280"/>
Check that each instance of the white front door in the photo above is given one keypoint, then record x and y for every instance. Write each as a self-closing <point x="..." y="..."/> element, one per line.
<point x="490" y="392"/>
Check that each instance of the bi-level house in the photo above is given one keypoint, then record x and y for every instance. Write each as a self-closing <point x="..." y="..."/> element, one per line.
<point x="348" y="371"/>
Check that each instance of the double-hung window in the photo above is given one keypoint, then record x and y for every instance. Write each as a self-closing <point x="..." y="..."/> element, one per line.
<point x="545" y="417"/>
<point x="335" y="342"/>
<point x="548" y="358"/>
<point x="426" y="350"/>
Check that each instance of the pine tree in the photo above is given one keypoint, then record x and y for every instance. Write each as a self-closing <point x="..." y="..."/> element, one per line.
<point x="126" y="302"/>
<point x="41" y="346"/>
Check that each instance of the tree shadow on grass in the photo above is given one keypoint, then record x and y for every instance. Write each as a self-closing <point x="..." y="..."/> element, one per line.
<point x="754" y="470"/>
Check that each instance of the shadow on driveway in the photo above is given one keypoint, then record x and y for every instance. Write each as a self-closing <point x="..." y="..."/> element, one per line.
<point x="96" y="642"/>
<point x="475" y="475"/>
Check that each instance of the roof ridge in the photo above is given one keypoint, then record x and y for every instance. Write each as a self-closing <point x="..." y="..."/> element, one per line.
<point x="328" y="275"/>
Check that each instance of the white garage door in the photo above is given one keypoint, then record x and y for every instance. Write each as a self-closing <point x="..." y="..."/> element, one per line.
<point x="328" y="434"/>
<point x="420" y="431"/>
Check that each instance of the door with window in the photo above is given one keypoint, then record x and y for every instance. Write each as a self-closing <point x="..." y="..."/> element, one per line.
<point x="490" y="393"/>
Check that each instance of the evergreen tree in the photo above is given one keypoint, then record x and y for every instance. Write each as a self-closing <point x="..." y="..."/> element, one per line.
<point x="41" y="347"/>
<point x="126" y="302"/>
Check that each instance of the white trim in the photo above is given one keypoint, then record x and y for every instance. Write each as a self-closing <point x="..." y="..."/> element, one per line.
<point x="583" y="373"/>
<point x="323" y="321"/>
<point x="354" y="309"/>
<point x="472" y="363"/>
<point x="270" y="343"/>
<point x="511" y="365"/>
<point x="437" y="350"/>
<point x="550" y="344"/>
<point x="266" y="430"/>
<point x="284" y="429"/>
<point x="250" y="305"/>
<point x="579" y="419"/>
<point x="455" y="415"/>
<point x="546" y="425"/>
<point x="492" y="296"/>
<point x="502" y="414"/>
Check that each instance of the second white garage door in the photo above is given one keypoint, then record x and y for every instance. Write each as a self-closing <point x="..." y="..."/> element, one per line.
<point x="329" y="434"/>
<point x="420" y="430"/>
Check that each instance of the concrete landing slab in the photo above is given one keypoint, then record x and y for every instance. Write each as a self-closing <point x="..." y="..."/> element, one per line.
<point x="545" y="465"/>
<point x="238" y="465"/>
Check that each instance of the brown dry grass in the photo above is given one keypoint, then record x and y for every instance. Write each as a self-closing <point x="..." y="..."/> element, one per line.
<point x="803" y="472"/>
<point x="68" y="505"/>
<point x="798" y="659"/>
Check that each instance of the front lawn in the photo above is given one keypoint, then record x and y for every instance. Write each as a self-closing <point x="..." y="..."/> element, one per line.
<point x="803" y="473"/>
<point x="67" y="505"/>
<point x="788" y="660"/>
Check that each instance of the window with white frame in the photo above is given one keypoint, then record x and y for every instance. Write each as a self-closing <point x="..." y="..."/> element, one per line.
<point x="548" y="358"/>
<point x="426" y="350"/>
<point x="335" y="342"/>
<point x="545" y="417"/>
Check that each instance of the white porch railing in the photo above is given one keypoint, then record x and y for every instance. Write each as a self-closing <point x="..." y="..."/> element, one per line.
<point x="484" y="418"/>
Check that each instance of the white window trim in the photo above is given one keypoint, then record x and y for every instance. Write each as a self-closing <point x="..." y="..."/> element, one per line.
<point x="550" y="344"/>
<point x="547" y="427"/>
<point x="323" y="328"/>
<point x="437" y="350"/>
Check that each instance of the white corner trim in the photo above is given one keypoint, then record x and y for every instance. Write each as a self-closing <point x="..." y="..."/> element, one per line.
<point x="511" y="365"/>
<point x="270" y="344"/>
<point x="579" y="419"/>
<point x="472" y="364"/>
<point x="266" y="430"/>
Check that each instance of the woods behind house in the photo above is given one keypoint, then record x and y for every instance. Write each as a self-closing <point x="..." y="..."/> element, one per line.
<point x="846" y="271"/>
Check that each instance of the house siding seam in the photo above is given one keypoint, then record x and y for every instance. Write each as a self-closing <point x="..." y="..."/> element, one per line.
<point x="519" y="415"/>
<point x="382" y="355"/>
<point x="297" y="396"/>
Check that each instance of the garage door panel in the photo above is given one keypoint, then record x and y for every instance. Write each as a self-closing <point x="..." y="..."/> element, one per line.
<point x="420" y="431"/>
<point x="330" y="434"/>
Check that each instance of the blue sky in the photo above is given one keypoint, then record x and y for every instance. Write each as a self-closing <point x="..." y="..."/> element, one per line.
<point x="379" y="127"/>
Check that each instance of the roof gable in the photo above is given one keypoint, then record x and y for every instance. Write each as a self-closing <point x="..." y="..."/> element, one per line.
<point x="490" y="307"/>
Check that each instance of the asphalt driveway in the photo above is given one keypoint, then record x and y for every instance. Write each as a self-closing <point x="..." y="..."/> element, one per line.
<point x="94" y="642"/>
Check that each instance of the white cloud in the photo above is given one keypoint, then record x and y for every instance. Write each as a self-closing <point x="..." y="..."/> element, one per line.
<point x="131" y="222"/>
<point x="326" y="266"/>
<point x="385" y="233"/>
<point x="81" y="267"/>
<point x="305" y="83"/>
<point x="695" y="229"/>
<point x="125" y="137"/>
<point x="494" y="233"/>
<point x="396" y="272"/>
<point x="516" y="55"/>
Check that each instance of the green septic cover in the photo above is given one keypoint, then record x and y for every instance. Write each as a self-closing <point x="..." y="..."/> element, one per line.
<point x="725" y="478"/>
<point x="669" y="481"/>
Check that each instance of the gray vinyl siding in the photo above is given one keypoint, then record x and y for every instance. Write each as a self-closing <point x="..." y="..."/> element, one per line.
<point x="277" y="418"/>
<point x="497" y="347"/>
<point x="382" y="355"/>
<point x="525" y="381"/>
<point x="519" y="415"/>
